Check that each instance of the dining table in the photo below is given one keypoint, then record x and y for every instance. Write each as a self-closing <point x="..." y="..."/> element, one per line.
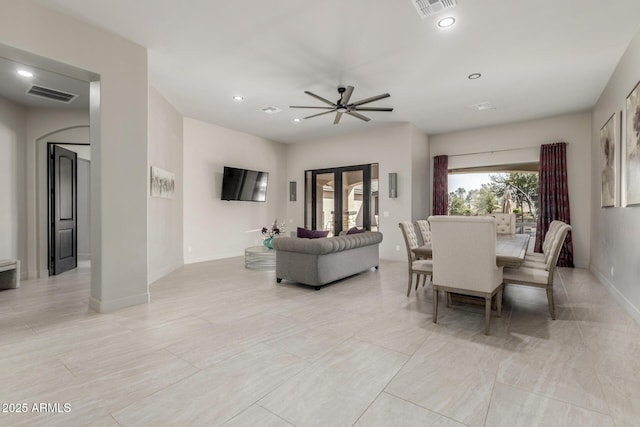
<point x="510" y="250"/>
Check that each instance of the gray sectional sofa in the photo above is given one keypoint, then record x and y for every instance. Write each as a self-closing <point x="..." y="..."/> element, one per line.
<point x="317" y="262"/>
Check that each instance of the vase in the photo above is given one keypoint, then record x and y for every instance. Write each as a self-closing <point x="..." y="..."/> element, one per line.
<point x="267" y="242"/>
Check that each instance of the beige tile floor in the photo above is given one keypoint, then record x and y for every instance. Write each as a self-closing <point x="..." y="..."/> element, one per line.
<point x="221" y="345"/>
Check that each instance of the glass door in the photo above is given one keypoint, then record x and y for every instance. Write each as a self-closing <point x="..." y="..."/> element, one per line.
<point x="337" y="199"/>
<point x="324" y="205"/>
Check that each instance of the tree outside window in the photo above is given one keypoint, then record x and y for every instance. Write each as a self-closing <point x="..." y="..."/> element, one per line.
<point x="516" y="191"/>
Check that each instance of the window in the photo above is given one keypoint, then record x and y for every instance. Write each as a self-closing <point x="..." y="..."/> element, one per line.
<point x="506" y="189"/>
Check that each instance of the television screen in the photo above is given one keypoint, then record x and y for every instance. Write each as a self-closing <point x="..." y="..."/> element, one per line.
<point x="243" y="184"/>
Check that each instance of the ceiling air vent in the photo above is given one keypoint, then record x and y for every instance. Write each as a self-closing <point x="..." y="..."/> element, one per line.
<point x="427" y="8"/>
<point x="483" y="106"/>
<point x="271" y="110"/>
<point x="52" y="94"/>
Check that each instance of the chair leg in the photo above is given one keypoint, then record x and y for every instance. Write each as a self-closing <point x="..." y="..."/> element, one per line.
<point x="417" y="281"/>
<point x="410" y="283"/>
<point x="499" y="301"/>
<point x="487" y="314"/>
<point x="552" y="308"/>
<point x="449" y="299"/>
<point x="435" y="305"/>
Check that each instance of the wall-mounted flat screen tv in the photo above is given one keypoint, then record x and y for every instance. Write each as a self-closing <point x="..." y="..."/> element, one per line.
<point x="244" y="185"/>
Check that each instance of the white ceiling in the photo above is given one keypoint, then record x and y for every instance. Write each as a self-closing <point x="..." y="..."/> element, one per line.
<point x="14" y="87"/>
<point x="537" y="59"/>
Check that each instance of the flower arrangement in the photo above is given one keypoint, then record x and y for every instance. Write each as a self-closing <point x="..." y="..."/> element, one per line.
<point x="274" y="230"/>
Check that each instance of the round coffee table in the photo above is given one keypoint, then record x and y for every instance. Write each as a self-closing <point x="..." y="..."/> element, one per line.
<point x="260" y="258"/>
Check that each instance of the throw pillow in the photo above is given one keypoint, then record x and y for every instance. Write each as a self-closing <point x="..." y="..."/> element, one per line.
<point x="355" y="230"/>
<point x="310" y="234"/>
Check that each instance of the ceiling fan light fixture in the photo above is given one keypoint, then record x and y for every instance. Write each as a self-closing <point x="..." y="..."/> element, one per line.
<point x="344" y="105"/>
<point x="25" y="73"/>
<point x="446" y="22"/>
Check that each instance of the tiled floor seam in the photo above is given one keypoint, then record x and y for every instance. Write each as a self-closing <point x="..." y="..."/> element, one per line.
<point x="269" y="392"/>
<point x="267" y="409"/>
<point x="493" y="386"/>
<point x="423" y="407"/>
<point x="606" y="399"/>
<point x="154" y="393"/>
<point x="556" y="399"/>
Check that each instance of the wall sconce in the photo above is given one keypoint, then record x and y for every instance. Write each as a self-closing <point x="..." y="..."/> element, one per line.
<point x="393" y="185"/>
<point x="293" y="193"/>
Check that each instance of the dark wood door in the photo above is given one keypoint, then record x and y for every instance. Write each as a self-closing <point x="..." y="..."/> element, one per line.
<point x="63" y="239"/>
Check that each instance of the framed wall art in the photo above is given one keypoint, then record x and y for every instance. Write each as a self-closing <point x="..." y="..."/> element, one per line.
<point x="632" y="147"/>
<point x="608" y="144"/>
<point x="163" y="183"/>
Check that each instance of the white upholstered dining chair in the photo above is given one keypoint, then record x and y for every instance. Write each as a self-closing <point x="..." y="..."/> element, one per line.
<point x="417" y="267"/>
<point x="425" y="231"/>
<point x="505" y="223"/>
<point x="541" y="274"/>
<point x="464" y="260"/>
<point x="537" y="257"/>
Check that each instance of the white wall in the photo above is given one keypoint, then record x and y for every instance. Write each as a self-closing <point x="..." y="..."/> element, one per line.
<point x="13" y="227"/>
<point x="615" y="246"/>
<point x="118" y="136"/>
<point x="165" y="215"/>
<point x="84" y="209"/>
<point x="421" y="188"/>
<point x="574" y="129"/>
<point x="219" y="229"/>
<point x="392" y="148"/>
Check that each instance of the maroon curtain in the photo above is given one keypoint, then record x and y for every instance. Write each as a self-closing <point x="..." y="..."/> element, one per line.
<point x="553" y="197"/>
<point x="440" y="185"/>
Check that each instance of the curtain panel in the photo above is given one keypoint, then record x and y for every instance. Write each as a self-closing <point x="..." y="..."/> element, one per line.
<point x="440" y="185"/>
<point x="553" y="197"/>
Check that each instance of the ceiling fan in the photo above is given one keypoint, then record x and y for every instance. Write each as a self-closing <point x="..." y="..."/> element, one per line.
<point x="342" y="105"/>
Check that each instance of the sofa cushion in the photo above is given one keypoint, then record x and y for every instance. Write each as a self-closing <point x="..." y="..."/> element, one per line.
<point x="355" y="230"/>
<point x="310" y="234"/>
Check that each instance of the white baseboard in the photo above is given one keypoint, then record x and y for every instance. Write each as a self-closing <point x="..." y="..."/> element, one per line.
<point x="617" y="295"/>
<point x="160" y="274"/>
<point x="209" y="258"/>
<point x="84" y="257"/>
<point x="109" y="306"/>
<point x="43" y="273"/>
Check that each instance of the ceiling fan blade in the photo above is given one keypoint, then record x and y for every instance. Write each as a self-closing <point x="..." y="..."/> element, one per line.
<point x="319" y="114"/>
<point x="307" y="106"/>
<point x="338" y="117"/>
<point x="346" y="95"/>
<point x="371" y="109"/>
<point x="360" y="116"/>
<point x="326" y="101"/>
<point x="368" y="100"/>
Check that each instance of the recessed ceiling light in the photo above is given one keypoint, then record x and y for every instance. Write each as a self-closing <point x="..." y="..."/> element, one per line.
<point x="446" y="22"/>
<point x="474" y="76"/>
<point x="296" y="120"/>
<point x="25" y="73"/>
<point x="238" y="98"/>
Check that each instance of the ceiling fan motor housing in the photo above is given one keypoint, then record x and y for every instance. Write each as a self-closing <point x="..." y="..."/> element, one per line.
<point x="342" y="105"/>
